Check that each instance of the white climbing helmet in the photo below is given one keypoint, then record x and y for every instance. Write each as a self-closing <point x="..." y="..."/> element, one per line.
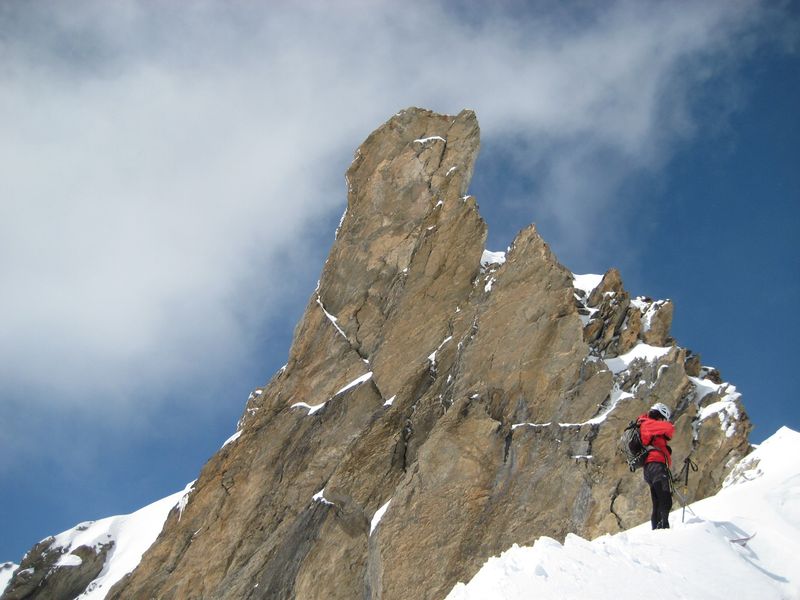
<point x="662" y="409"/>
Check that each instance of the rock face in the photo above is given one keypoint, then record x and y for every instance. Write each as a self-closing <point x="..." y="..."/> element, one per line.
<point x="439" y="403"/>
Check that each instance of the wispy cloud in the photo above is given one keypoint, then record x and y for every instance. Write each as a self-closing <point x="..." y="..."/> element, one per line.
<point x="156" y="160"/>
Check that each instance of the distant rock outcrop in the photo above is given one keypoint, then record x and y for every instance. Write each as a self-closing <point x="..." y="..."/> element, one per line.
<point x="87" y="560"/>
<point x="45" y="572"/>
<point x="439" y="403"/>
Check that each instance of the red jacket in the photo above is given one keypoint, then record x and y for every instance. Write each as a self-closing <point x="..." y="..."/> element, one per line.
<point x="656" y="433"/>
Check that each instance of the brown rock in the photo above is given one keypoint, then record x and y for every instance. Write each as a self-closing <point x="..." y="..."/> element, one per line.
<point x="692" y="365"/>
<point x="610" y="284"/>
<point x="592" y="331"/>
<point x="711" y="374"/>
<point x="629" y="335"/>
<point x="658" y="332"/>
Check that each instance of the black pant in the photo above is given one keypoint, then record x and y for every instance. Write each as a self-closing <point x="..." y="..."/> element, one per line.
<point x="657" y="476"/>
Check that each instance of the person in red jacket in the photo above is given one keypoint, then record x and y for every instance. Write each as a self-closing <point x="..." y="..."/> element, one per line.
<point x="656" y="430"/>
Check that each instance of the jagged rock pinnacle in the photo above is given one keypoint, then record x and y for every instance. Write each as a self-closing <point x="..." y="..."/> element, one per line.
<point x="434" y="408"/>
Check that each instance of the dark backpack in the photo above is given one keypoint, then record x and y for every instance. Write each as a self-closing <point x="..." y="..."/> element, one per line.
<point x="630" y="444"/>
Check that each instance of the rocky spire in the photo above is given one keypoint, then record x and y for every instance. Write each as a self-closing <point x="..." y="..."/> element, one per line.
<point x="439" y="403"/>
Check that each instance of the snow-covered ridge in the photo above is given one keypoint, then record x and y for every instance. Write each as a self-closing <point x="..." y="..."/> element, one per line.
<point x="704" y="557"/>
<point x="126" y="537"/>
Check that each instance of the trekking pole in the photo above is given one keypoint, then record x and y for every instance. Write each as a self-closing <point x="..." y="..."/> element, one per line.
<point x="674" y="490"/>
<point x="684" y="503"/>
<point x="688" y="464"/>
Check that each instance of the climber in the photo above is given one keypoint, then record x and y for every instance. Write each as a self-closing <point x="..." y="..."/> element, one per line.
<point x="656" y="430"/>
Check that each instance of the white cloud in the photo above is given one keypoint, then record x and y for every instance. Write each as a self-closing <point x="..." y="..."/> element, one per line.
<point x="154" y="160"/>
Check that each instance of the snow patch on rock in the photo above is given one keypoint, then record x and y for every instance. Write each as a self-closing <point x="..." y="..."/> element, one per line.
<point x="376" y="518"/>
<point x="639" y="352"/>
<point x="586" y="283"/>
<point x="492" y="258"/>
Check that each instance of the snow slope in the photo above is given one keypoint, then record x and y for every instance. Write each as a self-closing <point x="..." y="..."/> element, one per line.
<point x="694" y="559"/>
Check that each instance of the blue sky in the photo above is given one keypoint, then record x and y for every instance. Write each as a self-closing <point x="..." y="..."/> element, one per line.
<point x="170" y="181"/>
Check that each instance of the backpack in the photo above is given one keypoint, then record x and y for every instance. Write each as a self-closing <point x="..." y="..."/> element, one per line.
<point x="630" y="444"/>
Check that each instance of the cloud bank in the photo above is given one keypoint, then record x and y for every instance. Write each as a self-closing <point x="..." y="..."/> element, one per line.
<point x="162" y="165"/>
